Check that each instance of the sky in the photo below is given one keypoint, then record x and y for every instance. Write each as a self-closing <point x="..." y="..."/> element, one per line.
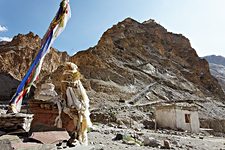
<point x="201" y="21"/>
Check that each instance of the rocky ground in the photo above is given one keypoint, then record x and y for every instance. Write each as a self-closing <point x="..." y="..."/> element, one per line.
<point x="104" y="137"/>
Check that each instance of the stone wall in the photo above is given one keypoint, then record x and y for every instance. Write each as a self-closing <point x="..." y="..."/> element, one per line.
<point x="11" y="122"/>
<point x="45" y="114"/>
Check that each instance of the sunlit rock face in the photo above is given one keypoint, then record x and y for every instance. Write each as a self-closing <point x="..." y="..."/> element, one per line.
<point x="131" y="55"/>
<point x="16" y="57"/>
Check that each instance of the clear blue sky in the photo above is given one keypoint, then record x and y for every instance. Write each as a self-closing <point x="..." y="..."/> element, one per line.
<point x="202" y="21"/>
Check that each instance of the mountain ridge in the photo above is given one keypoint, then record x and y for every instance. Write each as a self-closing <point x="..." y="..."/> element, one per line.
<point x="215" y="59"/>
<point x="144" y="41"/>
<point x="217" y="68"/>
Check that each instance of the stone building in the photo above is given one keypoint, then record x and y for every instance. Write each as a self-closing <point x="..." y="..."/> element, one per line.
<point x="178" y="116"/>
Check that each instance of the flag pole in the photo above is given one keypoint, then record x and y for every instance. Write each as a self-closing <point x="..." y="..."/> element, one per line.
<point x="55" y="29"/>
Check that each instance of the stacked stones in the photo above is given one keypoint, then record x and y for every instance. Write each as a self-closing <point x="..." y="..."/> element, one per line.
<point x="11" y="122"/>
<point x="46" y="93"/>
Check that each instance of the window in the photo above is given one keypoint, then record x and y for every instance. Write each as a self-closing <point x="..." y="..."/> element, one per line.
<point x="187" y="118"/>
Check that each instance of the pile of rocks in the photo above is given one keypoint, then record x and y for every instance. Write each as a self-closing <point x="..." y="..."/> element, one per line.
<point x="11" y="122"/>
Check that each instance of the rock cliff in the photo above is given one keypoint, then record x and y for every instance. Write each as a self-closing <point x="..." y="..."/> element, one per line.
<point x="217" y="68"/>
<point x="219" y="60"/>
<point x="131" y="56"/>
<point x="16" y="57"/>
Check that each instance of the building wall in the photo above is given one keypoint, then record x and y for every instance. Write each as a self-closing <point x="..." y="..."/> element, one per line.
<point x="193" y="126"/>
<point x="175" y="119"/>
<point x="166" y="118"/>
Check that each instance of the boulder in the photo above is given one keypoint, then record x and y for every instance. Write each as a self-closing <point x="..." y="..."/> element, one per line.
<point x="50" y="137"/>
<point x="166" y="144"/>
<point x="152" y="142"/>
<point x="118" y="137"/>
<point x="149" y="124"/>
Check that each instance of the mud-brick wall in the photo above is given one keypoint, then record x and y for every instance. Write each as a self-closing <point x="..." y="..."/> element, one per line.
<point x="45" y="114"/>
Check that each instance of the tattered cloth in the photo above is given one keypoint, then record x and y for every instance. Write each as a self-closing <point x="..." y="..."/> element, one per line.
<point x="56" y="27"/>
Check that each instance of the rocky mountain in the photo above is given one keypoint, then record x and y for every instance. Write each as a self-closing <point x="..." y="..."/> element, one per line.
<point x="131" y="56"/>
<point x="217" y="68"/>
<point x="133" y="67"/>
<point x="136" y="65"/>
<point x="218" y="71"/>
<point x="219" y="60"/>
<point x="16" y="57"/>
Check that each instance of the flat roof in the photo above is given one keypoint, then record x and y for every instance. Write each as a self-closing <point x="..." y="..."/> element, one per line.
<point x="180" y="106"/>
